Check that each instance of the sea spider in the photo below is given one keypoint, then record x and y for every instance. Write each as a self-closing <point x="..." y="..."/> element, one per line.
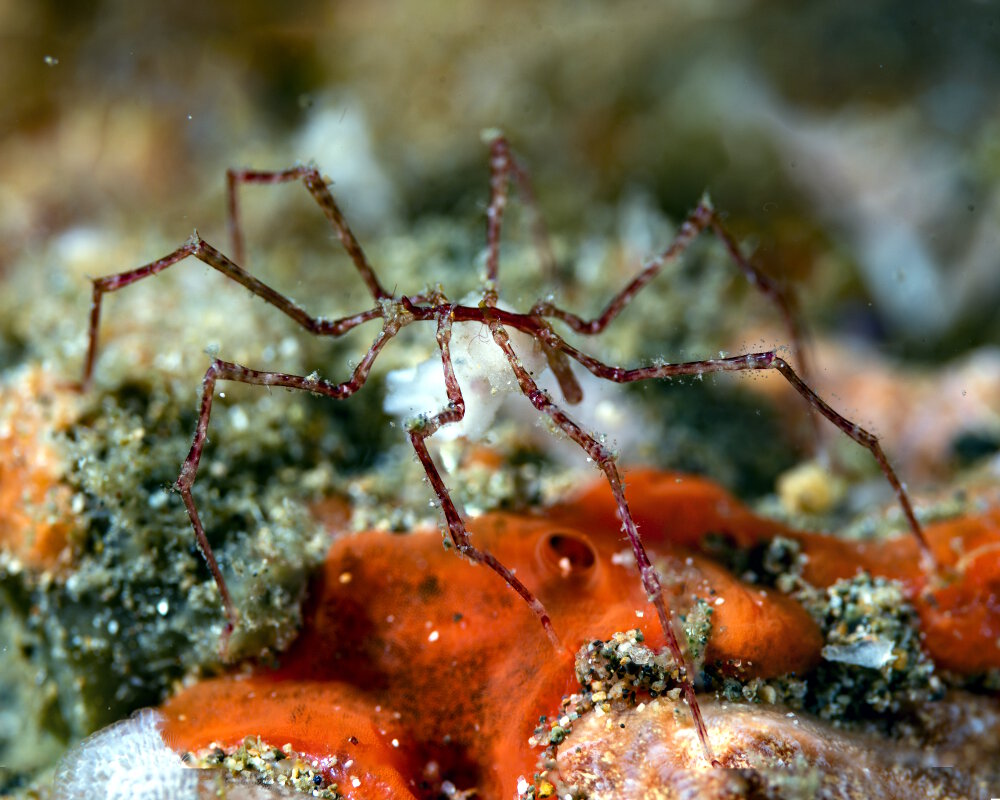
<point x="397" y="311"/>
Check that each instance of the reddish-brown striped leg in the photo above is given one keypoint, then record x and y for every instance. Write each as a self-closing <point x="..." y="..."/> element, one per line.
<point x="758" y="361"/>
<point x="606" y="462"/>
<point x="703" y="217"/>
<point x="423" y="429"/>
<point x="228" y="371"/>
<point x="317" y="186"/>
<point x="503" y="168"/>
<point x="200" y="249"/>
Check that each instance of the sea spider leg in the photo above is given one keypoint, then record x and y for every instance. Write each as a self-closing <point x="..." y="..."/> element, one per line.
<point x="204" y="252"/>
<point x="228" y="371"/>
<point x="766" y="286"/>
<point x="703" y="217"/>
<point x="317" y="186"/>
<point x="607" y="463"/>
<point x="760" y="361"/>
<point x="503" y="167"/>
<point x="425" y="427"/>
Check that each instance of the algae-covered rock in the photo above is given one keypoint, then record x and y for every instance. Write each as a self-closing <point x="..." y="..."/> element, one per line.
<point x="131" y="606"/>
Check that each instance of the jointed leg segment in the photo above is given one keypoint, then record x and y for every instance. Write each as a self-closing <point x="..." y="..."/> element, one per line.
<point x="758" y="361"/>
<point x="204" y="252"/>
<point x="605" y="460"/>
<point x="703" y="217"/>
<point x="316" y="184"/>
<point x="228" y="371"/>
<point x="505" y="167"/>
<point x="422" y="430"/>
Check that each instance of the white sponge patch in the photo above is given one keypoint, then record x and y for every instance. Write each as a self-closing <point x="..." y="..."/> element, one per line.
<point x="125" y="761"/>
<point x="483" y="372"/>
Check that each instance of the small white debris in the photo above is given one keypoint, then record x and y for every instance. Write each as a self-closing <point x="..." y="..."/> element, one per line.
<point x="482" y="370"/>
<point x="238" y="418"/>
<point x="433" y="636"/>
<point x="339" y="138"/>
<point x="163" y="607"/>
<point x="158" y="499"/>
<point x="870" y="653"/>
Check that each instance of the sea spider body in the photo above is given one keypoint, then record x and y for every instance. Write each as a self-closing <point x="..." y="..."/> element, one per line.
<point x="398" y="311"/>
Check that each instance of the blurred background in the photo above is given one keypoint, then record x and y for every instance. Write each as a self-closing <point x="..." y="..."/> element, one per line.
<point x="855" y="147"/>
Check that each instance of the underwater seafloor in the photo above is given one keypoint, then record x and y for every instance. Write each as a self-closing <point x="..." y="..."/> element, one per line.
<point x="866" y="184"/>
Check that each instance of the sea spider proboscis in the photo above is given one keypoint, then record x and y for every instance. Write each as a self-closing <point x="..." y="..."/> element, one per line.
<point x="397" y="311"/>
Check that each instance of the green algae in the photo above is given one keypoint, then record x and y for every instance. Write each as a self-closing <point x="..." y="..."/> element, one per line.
<point x="872" y="658"/>
<point x="872" y="663"/>
<point x="139" y="609"/>
<point x="623" y="667"/>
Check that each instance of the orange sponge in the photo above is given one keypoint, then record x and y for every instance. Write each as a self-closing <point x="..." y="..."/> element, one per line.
<point x="415" y="666"/>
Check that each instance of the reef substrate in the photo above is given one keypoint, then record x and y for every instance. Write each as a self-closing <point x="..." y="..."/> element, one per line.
<point x="419" y="675"/>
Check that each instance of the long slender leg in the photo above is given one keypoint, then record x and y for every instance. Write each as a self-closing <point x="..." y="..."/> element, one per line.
<point x="696" y="222"/>
<point x="767" y="286"/>
<point x="500" y="168"/>
<point x="503" y="167"/>
<point x="204" y="252"/>
<point x="702" y="218"/>
<point x="316" y="184"/>
<point x="228" y="371"/>
<point x="793" y="325"/>
<point x="605" y="460"/>
<point x="423" y="430"/>
<point x="758" y="361"/>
